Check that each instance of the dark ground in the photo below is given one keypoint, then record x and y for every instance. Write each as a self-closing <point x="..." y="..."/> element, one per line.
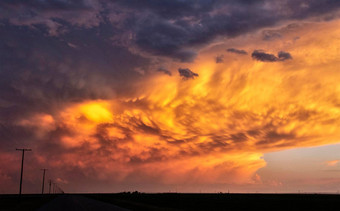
<point x="78" y="203"/>
<point x="174" y="201"/>
<point x="26" y="202"/>
<point x="178" y="201"/>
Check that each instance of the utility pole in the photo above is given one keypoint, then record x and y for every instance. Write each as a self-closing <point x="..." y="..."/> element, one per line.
<point x="43" y="181"/>
<point x="22" y="167"/>
<point x="49" y="189"/>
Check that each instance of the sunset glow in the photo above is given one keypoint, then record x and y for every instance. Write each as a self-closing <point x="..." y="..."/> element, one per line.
<point x="155" y="121"/>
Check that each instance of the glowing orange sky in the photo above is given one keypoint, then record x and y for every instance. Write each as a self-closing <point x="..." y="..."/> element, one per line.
<point x="217" y="111"/>
<point x="214" y="128"/>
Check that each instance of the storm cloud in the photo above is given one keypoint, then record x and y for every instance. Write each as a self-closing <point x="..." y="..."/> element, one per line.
<point x="86" y="85"/>
<point x="175" y="29"/>
<point x="266" y="57"/>
<point x="186" y="73"/>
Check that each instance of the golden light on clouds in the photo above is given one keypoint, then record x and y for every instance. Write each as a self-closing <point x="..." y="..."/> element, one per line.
<point x="332" y="162"/>
<point x="96" y="111"/>
<point x="214" y="128"/>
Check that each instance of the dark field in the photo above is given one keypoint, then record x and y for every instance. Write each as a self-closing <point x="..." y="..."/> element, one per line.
<point x="177" y="201"/>
<point x="26" y="202"/>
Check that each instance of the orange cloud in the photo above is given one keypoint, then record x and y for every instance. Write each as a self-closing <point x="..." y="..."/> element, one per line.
<point x="332" y="162"/>
<point x="215" y="127"/>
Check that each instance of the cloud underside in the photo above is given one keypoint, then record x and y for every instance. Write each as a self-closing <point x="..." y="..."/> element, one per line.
<point x="174" y="29"/>
<point x="177" y="131"/>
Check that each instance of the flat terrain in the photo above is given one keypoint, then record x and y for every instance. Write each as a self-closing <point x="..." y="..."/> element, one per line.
<point x="64" y="202"/>
<point x="78" y="203"/>
<point x="177" y="201"/>
<point x="12" y="202"/>
<point x="171" y="201"/>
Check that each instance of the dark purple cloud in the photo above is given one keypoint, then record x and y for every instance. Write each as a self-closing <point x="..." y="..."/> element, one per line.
<point x="51" y="5"/>
<point x="186" y="73"/>
<point x="37" y="70"/>
<point x="237" y="51"/>
<point x="266" y="57"/>
<point x="175" y="29"/>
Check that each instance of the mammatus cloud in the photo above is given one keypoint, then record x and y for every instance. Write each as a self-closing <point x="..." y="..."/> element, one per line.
<point x="186" y="73"/>
<point x="78" y="85"/>
<point x="237" y="51"/>
<point x="265" y="57"/>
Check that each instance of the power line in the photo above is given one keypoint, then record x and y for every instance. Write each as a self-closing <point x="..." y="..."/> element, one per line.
<point x="22" y="167"/>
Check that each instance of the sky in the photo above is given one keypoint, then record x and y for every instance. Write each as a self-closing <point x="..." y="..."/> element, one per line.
<point x="170" y="95"/>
